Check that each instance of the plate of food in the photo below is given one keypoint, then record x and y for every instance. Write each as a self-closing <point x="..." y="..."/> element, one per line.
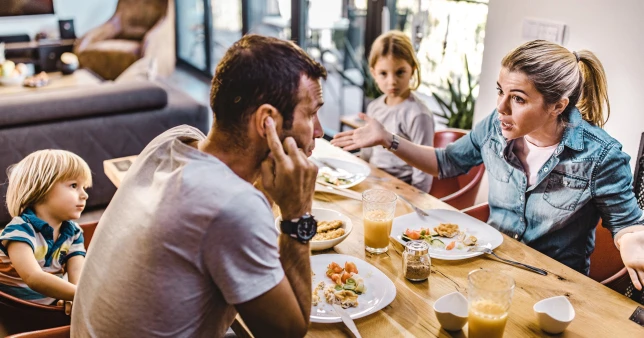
<point x="359" y="287"/>
<point x="333" y="228"/>
<point x="341" y="173"/>
<point x="449" y="233"/>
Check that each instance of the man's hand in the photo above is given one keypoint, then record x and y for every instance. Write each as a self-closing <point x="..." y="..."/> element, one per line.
<point x="287" y="175"/>
<point x="369" y="135"/>
<point x="631" y="247"/>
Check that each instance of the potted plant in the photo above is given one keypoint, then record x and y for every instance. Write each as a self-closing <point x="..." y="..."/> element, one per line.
<point x="457" y="105"/>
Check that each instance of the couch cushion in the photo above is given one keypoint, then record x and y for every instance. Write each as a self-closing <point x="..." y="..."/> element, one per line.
<point x="116" y="46"/>
<point x="66" y="104"/>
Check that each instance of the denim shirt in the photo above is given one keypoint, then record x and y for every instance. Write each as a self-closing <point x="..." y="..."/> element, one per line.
<point x="587" y="177"/>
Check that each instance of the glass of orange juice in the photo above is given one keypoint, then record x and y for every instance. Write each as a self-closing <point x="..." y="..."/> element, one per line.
<point x="489" y="297"/>
<point x="378" y="208"/>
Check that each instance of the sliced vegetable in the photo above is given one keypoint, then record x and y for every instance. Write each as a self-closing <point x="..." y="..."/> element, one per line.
<point x="451" y="245"/>
<point x="437" y="243"/>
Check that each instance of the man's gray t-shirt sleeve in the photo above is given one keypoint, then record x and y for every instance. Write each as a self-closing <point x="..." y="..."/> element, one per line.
<point x="245" y="263"/>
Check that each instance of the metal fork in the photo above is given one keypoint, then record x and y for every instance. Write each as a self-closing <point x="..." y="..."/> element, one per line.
<point x="489" y="251"/>
<point x="418" y="210"/>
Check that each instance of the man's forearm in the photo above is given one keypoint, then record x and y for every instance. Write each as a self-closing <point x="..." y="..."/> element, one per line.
<point x="295" y="258"/>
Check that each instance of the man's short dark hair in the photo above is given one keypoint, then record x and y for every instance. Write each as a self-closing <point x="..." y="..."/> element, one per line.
<point x="259" y="70"/>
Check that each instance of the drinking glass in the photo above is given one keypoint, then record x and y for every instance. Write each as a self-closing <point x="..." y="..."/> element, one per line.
<point x="378" y="209"/>
<point x="489" y="297"/>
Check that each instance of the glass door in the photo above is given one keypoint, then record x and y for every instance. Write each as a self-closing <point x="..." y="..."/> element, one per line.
<point x="226" y="27"/>
<point x="191" y="33"/>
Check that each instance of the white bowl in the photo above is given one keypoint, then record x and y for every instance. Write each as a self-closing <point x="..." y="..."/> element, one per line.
<point x="321" y="214"/>
<point x="11" y="80"/>
<point x="554" y="314"/>
<point x="451" y="311"/>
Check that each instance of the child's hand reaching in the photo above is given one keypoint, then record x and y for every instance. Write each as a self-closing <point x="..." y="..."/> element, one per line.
<point x="67" y="304"/>
<point x="372" y="134"/>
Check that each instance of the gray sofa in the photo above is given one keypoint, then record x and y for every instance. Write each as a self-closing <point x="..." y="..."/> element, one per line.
<point x="114" y="119"/>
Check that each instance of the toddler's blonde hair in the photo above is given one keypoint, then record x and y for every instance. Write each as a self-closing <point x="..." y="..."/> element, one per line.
<point x="32" y="178"/>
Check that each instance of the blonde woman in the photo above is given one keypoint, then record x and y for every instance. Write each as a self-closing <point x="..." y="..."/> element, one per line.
<point x="46" y="191"/>
<point x="553" y="171"/>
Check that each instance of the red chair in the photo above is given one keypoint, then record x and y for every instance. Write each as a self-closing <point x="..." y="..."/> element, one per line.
<point x="459" y="192"/>
<point x="17" y="315"/>
<point x="57" y="332"/>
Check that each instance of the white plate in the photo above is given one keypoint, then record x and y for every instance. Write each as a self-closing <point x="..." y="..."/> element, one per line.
<point x="486" y="235"/>
<point x="322" y="214"/>
<point x="360" y="169"/>
<point x="380" y="290"/>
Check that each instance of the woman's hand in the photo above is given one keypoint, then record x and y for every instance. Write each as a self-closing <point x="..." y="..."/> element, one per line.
<point x="67" y="304"/>
<point x="632" y="250"/>
<point x="372" y="134"/>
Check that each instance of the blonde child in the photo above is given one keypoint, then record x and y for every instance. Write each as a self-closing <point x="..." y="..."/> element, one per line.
<point x="396" y="70"/>
<point x="46" y="191"/>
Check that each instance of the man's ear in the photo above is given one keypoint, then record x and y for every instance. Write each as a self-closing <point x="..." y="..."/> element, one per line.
<point x="264" y="111"/>
<point x="560" y="106"/>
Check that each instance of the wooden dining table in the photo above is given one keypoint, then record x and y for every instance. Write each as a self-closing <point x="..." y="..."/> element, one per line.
<point x="600" y="311"/>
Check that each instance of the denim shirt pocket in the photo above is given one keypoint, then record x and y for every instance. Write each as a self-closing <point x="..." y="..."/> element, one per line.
<point x="564" y="191"/>
<point x="495" y="165"/>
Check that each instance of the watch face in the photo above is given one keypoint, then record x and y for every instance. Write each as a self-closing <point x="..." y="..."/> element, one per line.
<point x="306" y="228"/>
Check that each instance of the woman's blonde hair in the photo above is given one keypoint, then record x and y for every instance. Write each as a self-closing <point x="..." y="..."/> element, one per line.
<point x="32" y="178"/>
<point x="398" y="45"/>
<point x="559" y="73"/>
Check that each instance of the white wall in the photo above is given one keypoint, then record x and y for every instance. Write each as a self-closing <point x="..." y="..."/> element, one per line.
<point x="611" y="29"/>
<point x="87" y="14"/>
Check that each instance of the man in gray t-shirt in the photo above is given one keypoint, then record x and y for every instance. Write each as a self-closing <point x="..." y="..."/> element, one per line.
<point x="187" y="242"/>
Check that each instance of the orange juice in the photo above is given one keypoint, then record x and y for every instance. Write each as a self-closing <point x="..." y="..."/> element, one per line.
<point x="486" y="319"/>
<point x="377" y="227"/>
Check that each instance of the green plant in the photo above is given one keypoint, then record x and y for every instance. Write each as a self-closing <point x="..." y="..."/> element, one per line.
<point x="457" y="105"/>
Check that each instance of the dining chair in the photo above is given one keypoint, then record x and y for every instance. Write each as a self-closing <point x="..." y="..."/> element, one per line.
<point x="57" y="332"/>
<point x="17" y="315"/>
<point x="461" y="191"/>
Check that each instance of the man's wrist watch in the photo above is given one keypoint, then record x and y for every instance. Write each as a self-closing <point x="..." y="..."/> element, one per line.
<point x="394" y="143"/>
<point x="302" y="229"/>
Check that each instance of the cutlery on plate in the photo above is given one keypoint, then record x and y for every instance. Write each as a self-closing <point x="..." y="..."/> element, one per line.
<point x="347" y="320"/>
<point x="332" y="189"/>
<point x="418" y="210"/>
<point x="491" y="252"/>
<point x="341" y="173"/>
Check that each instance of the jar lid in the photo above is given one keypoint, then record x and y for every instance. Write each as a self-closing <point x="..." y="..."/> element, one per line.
<point x="417" y="247"/>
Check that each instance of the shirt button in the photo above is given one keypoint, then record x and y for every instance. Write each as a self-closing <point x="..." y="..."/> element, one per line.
<point x="501" y="153"/>
<point x="545" y="169"/>
<point x="521" y="197"/>
<point x="566" y="183"/>
<point x="516" y="236"/>
<point x="521" y="219"/>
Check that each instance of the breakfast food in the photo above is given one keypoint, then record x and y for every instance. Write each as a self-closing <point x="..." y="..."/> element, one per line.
<point x="316" y="298"/>
<point x="346" y="287"/>
<point x="447" y="230"/>
<point x="328" y="175"/>
<point x="324" y="226"/>
<point x="328" y="230"/>
<point x="325" y="236"/>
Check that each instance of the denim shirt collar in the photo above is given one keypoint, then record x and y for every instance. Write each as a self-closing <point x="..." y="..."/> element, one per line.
<point x="573" y="136"/>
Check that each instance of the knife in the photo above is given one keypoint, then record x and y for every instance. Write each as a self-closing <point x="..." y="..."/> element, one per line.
<point x="347" y="320"/>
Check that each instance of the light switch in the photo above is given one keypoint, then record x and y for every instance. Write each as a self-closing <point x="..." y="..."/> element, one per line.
<point x="537" y="29"/>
